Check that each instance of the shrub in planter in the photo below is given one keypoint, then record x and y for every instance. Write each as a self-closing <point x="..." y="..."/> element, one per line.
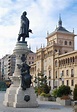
<point x="65" y="97"/>
<point x="43" y="89"/>
<point x="45" y="95"/>
<point x="75" y="92"/>
<point x="46" y="88"/>
<point x="54" y="92"/>
<point x="63" y="90"/>
<point x="39" y="90"/>
<point x="36" y="90"/>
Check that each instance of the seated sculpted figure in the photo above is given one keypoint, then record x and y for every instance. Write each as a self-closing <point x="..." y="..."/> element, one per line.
<point x="25" y="75"/>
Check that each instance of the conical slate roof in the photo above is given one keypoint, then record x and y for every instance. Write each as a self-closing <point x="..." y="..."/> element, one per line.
<point x="60" y="28"/>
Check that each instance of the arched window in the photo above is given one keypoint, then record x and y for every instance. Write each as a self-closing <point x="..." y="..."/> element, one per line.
<point x="64" y="61"/>
<point x="56" y="63"/>
<point x="68" y="60"/>
<point x="72" y="72"/>
<point x="55" y="50"/>
<point x="70" y="43"/>
<point x="65" y="42"/>
<point x="73" y="59"/>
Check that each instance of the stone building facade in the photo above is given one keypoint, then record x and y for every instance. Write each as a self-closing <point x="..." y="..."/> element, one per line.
<point x="58" y="60"/>
<point x="7" y="64"/>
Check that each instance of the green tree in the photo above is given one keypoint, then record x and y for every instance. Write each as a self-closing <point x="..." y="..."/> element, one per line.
<point x="42" y="86"/>
<point x="54" y="92"/>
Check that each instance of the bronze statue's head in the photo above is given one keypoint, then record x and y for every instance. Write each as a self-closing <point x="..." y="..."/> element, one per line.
<point x="24" y="13"/>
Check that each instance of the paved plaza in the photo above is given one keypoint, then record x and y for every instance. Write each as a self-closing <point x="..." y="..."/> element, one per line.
<point x="44" y="106"/>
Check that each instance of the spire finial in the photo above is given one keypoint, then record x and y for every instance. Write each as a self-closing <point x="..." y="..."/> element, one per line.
<point x="60" y="21"/>
<point x="59" y="17"/>
<point x="36" y="48"/>
<point x="73" y="30"/>
<point x="47" y="33"/>
<point x="29" y="47"/>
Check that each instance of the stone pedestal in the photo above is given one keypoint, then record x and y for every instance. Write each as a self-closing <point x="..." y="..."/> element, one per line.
<point x="14" y="95"/>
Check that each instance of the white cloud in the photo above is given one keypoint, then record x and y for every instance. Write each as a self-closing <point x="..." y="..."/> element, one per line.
<point x="43" y="16"/>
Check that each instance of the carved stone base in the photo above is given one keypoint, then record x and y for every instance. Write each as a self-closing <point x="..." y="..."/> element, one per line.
<point x="15" y="97"/>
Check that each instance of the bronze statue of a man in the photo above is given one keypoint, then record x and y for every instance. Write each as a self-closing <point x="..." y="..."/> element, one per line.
<point x="24" y="28"/>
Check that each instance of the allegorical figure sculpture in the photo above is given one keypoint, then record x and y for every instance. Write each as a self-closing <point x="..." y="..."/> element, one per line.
<point x="24" y="28"/>
<point x="25" y="73"/>
<point x="26" y="77"/>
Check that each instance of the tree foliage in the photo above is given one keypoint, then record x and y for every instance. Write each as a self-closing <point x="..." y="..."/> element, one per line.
<point x="41" y="81"/>
<point x="63" y="90"/>
<point x="54" y="92"/>
<point x="3" y="86"/>
<point x="75" y="93"/>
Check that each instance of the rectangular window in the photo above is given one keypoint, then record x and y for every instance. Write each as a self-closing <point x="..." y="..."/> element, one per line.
<point x="56" y="74"/>
<point x="29" y="62"/>
<point x="72" y="73"/>
<point x="32" y="57"/>
<point x="67" y="82"/>
<point x="66" y="51"/>
<point x="49" y="74"/>
<point x="56" y="63"/>
<point x="49" y="83"/>
<point x="72" y="82"/>
<point x="62" y="72"/>
<point x="66" y="72"/>
<point x="62" y="82"/>
<point x="29" y="57"/>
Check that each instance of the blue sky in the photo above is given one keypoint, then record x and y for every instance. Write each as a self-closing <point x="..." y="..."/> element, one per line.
<point x="43" y="16"/>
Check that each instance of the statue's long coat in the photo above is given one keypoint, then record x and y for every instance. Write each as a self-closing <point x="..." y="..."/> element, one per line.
<point x="24" y="29"/>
